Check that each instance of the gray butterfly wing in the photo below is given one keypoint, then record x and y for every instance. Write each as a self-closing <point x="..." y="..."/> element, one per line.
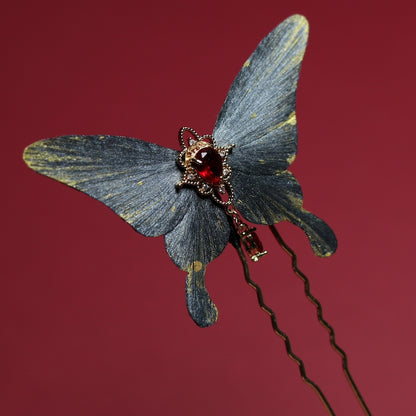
<point x="137" y="180"/>
<point x="258" y="115"/>
<point x="134" y="178"/>
<point x="199" y="238"/>
<point x="268" y="200"/>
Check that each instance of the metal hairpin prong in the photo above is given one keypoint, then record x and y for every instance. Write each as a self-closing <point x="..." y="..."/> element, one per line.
<point x="321" y="319"/>
<point x="279" y="332"/>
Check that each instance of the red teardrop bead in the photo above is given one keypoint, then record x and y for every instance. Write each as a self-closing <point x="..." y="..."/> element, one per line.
<point x="208" y="163"/>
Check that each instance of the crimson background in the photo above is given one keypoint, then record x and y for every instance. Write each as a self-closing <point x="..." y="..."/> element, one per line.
<point x="93" y="315"/>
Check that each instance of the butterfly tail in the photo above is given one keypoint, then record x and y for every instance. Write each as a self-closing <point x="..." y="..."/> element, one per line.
<point x="320" y="235"/>
<point x="200" y="306"/>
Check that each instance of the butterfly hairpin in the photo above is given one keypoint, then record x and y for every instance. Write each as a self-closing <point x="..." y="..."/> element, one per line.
<point x="203" y="196"/>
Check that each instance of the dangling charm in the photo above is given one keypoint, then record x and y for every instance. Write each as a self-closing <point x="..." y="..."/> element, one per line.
<point x="250" y="240"/>
<point x="206" y="168"/>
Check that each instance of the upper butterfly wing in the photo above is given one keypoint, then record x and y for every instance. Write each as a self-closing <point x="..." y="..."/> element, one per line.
<point x="258" y="115"/>
<point x="134" y="178"/>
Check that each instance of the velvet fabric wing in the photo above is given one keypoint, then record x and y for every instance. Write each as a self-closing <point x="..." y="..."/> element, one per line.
<point x="259" y="116"/>
<point x="134" y="178"/>
<point x="137" y="180"/>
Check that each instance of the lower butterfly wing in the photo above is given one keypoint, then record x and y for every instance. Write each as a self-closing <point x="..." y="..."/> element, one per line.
<point x="199" y="238"/>
<point x="134" y="178"/>
<point x="258" y="115"/>
<point x="271" y="199"/>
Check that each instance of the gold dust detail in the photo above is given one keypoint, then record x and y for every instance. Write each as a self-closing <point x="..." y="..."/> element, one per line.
<point x="196" y="266"/>
<point x="290" y="159"/>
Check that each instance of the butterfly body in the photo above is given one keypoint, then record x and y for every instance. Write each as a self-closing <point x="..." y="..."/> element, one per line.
<point x="205" y="166"/>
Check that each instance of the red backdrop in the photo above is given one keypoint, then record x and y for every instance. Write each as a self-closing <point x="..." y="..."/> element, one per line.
<point x="93" y="315"/>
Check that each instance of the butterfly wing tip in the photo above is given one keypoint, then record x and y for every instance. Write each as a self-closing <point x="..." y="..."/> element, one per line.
<point x="299" y="18"/>
<point x="28" y="154"/>
<point x="325" y="254"/>
<point x="206" y="323"/>
<point x="326" y="250"/>
<point x="300" y="21"/>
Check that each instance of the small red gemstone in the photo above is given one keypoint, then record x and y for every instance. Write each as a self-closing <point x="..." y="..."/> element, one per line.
<point x="252" y="243"/>
<point x="208" y="163"/>
<point x="257" y="242"/>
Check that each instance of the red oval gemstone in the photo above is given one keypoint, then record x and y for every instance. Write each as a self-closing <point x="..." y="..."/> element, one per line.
<point x="208" y="163"/>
